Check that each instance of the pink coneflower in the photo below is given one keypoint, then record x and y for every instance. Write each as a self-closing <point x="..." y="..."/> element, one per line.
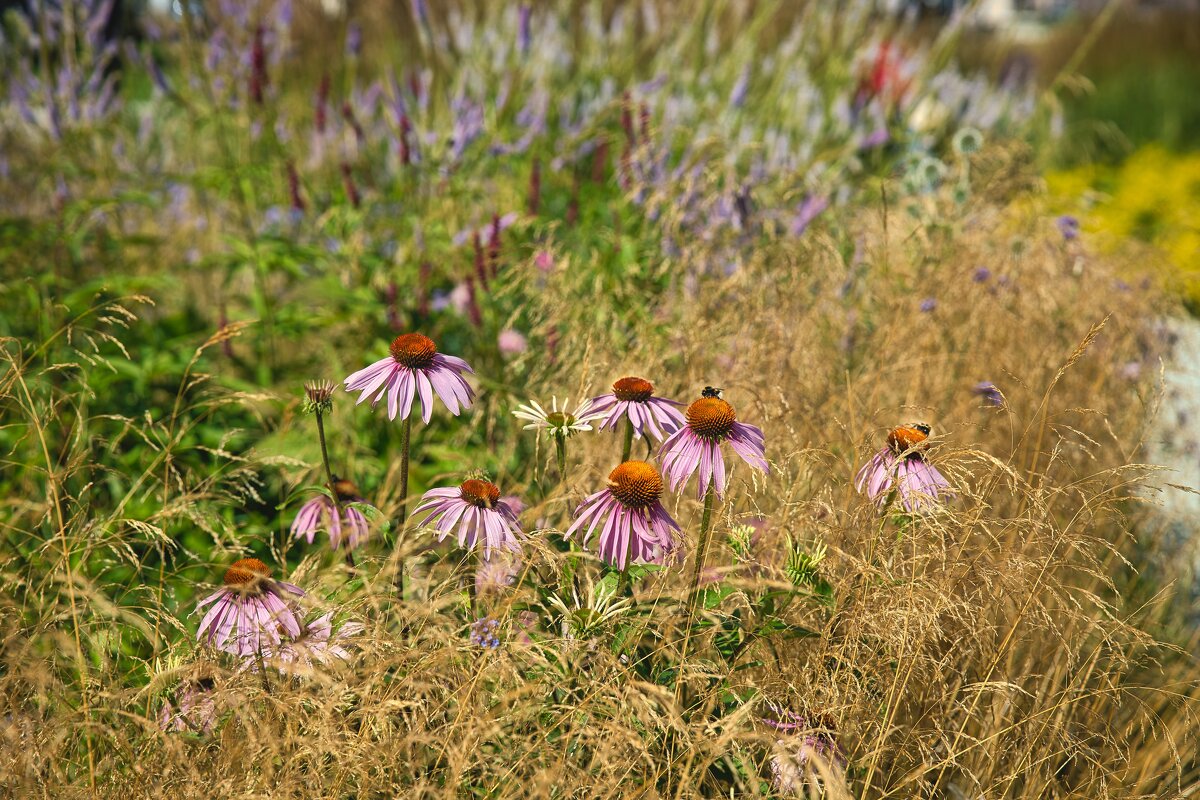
<point x="317" y="645"/>
<point x="805" y="750"/>
<point x="248" y="614"/>
<point x="901" y="467"/>
<point x="196" y="710"/>
<point x="320" y="513"/>
<point x="415" y="367"/>
<point x="474" y="506"/>
<point x="636" y="528"/>
<point x="697" y="445"/>
<point x="633" y="399"/>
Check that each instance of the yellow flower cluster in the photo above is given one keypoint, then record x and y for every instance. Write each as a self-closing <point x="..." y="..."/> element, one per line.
<point x="1153" y="197"/>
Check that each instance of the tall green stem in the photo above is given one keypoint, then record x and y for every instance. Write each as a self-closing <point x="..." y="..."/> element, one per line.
<point x="560" y="448"/>
<point x="627" y="447"/>
<point x="710" y="500"/>
<point x="337" y="502"/>
<point x="405" y="442"/>
<point x="333" y="492"/>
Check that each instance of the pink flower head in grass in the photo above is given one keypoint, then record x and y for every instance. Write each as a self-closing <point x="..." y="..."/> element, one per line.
<point x="320" y="513"/>
<point x="474" y="507"/>
<point x="317" y="645"/>
<point x="250" y="612"/>
<point x="634" y="527"/>
<point x="901" y="467"/>
<point x="633" y="398"/>
<point x="196" y="710"/>
<point x="697" y="445"/>
<point x="414" y="369"/>
<point x="805" y="749"/>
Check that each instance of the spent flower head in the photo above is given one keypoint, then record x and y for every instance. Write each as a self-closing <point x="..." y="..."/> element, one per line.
<point x="318" y="397"/>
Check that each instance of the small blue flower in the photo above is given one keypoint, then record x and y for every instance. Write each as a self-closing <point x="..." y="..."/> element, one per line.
<point x="990" y="394"/>
<point x="981" y="275"/>
<point x="928" y="305"/>
<point x="483" y="633"/>
<point x="1068" y="226"/>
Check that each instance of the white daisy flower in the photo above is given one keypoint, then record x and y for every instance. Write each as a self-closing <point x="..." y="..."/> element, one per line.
<point x="558" y="422"/>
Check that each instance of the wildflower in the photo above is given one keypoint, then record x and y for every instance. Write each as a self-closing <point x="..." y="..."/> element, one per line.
<point x="1068" y="226"/>
<point x="928" y="305"/>
<point x="197" y="709"/>
<point x="514" y="503"/>
<point x="320" y="513"/>
<point x="635" y="525"/>
<point x="697" y="445"/>
<point x="928" y="173"/>
<point x="483" y="633"/>
<point x="988" y="391"/>
<point x="802" y="746"/>
<point x="475" y="507"/>
<point x="544" y="261"/>
<point x="876" y="138"/>
<point x="316" y="645"/>
<point x="634" y="398"/>
<point x="318" y="397"/>
<point x="737" y="97"/>
<point x="967" y="141"/>
<point x="511" y="342"/>
<point x="808" y="210"/>
<point x="559" y="423"/>
<point x="524" y="13"/>
<point x="1131" y="370"/>
<point x="981" y="275"/>
<point x="497" y="573"/>
<point x="248" y="614"/>
<point x="900" y="466"/>
<point x="415" y="367"/>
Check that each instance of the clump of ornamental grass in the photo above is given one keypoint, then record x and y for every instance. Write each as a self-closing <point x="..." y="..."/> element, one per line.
<point x="981" y="642"/>
<point x="966" y="621"/>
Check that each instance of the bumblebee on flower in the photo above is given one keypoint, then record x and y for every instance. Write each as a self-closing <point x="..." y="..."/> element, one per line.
<point x="902" y="467"/>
